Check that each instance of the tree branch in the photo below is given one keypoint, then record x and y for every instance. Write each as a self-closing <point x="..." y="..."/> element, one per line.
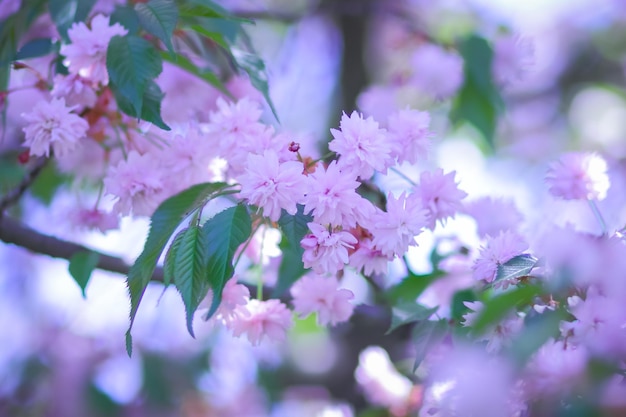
<point x="14" y="232"/>
<point x="13" y="196"/>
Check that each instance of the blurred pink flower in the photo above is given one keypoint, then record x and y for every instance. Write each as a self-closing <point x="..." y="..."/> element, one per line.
<point x="498" y="335"/>
<point x="321" y="295"/>
<point x="75" y="90"/>
<point x="437" y="72"/>
<point x="362" y="145"/>
<point x="53" y="125"/>
<point x="258" y="319"/>
<point x="273" y="186"/>
<point x="409" y="134"/>
<point x="493" y="215"/>
<point x="137" y="183"/>
<point x="498" y="250"/>
<point x="86" y="55"/>
<point x="512" y="59"/>
<point x="233" y="296"/>
<point x="440" y="195"/>
<point x="578" y="176"/>
<point x="326" y="251"/>
<point x="368" y="259"/>
<point x="95" y="219"/>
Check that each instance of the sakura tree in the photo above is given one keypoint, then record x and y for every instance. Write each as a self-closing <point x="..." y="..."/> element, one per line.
<point x="313" y="208"/>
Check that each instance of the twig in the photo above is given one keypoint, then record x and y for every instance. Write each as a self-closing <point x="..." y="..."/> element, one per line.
<point x="13" y="196"/>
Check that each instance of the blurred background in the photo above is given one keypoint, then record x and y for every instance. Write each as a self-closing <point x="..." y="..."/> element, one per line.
<point x="559" y="67"/>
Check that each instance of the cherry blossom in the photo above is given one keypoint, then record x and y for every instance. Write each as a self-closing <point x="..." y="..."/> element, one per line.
<point x="437" y="72"/>
<point x="259" y="319"/>
<point x="440" y="195"/>
<point x="321" y="295"/>
<point x="52" y="125"/>
<point x="579" y="176"/>
<point x="86" y="54"/>
<point x="499" y="250"/>
<point x="325" y="250"/>
<point x="409" y="134"/>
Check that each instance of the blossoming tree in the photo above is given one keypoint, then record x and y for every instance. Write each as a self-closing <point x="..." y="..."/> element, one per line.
<point x="163" y="110"/>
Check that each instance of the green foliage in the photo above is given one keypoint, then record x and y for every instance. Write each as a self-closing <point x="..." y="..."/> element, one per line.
<point x="458" y="307"/>
<point x="47" y="183"/>
<point x="293" y="228"/>
<point x="169" y="265"/>
<point x="126" y="16"/>
<point x="163" y="223"/>
<point x="81" y="266"/>
<point x="425" y="335"/>
<point x="224" y="233"/>
<point x="411" y="287"/>
<point x="151" y="108"/>
<point x="255" y="68"/>
<point x="518" y="267"/>
<point x="65" y="12"/>
<point x="538" y="328"/>
<point x="190" y="266"/>
<point x="35" y="48"/>
<point x="478" y="102"/>
<point x="409" y="312"/>
<point x="11" y="32"/>
<point x="132" y="64"/>
<point x="497" y="307"/>
<point x="159" y="18"/>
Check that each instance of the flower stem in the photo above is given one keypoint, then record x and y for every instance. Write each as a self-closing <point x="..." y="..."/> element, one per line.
<point x="400" y="173"/>
<point x="598" y="215"/>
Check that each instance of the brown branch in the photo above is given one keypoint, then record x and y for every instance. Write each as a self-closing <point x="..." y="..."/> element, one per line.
<point x="14" y="232"/>
<point x="13" y="196"/>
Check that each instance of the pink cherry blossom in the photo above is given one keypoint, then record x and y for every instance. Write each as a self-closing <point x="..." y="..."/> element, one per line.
<point x="86" y="54"/>
<point x="137" y="183"/>
<point x="362" y="145"/>
<point x="53" y="125"/>
<point x="440" y="195"/>
<point x="75" y="90"/>
<point x="437" y="72"/>
<point x="409" y="134"/>
<point x="258" y="319"/>
<point x="496" y="336"/>
<point x="321" y="295"/>
<point x="326" y="251"/>
<point x="95" y="219"/>
<point x="512" y="59"/>
<point x="395" y="230"/>
<point x="493" y="215"/>
<point x="332" y="197"/>
<point x="499" y="250"/>
<point x="233" y="296"/>
<point x="368" y="259"/>
<point x="578" y="176"/>
<point x="273" y="186"/>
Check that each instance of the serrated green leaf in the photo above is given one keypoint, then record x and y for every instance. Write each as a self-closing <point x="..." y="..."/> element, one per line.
<point x="151" y="109"/>
<point x="206" y="75"/>
<point x="406" y="313"/>
<point x="411" y="287"/>
<point x="255" y="68"/>
<point x="126" y="16"/>
<point x="516" y="267"/>
<point x="293" y="228"/>
<point x="215" y="36"/>
<point x="191" y="275"/>
<point x="426" y="334"/>
<point x="496" y="308"/>
<point x="169" y="264"/>
<point x="224" y="233"/>
<point x="132" y="63"/>
<point x="163" y="223"/>
<point x="65" y="12"/>
<point x="81" y="266"/>
<point x="35" y="48"/>
<point x="207" y="9"/>
<point x="159" y="18"/>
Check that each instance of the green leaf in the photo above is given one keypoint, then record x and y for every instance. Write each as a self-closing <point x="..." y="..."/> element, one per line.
<point x="191" y="275"/>
<point x="406" y="313"/>
<point x="458" y="307"/>
<point x="215" y="36"/>
<point x="35" y="48"/>
<point x="151" y="109"/>
<point x="538" y="328"/>
<point x="294" y="228"/>
<point x="65" y="12"/>
<point x="255" y="68"/>
<point x="207" y="8"/>
<point x="159" y="18"/>
<point x="478" y="102"/>
<point x="132" y="63"/>
<point x="169" y="264"/>
<point x="47" y="183"/>
<point x="224" y="233"/>
<point x="206" y="75"/>
<point x="411" y="287"/>
<point x="427" y="334"/>
<point x="163" y="223"/>
<point x="516" y="267"/>
<point x="496" y="308"/>
<point x="81" y="266"/>
<point x="127" y="17"/>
